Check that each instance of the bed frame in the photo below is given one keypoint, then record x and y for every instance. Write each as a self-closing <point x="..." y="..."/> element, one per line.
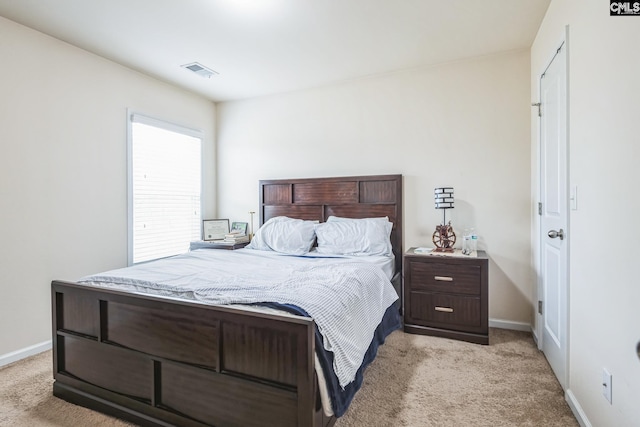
<point x="160" y="362"/>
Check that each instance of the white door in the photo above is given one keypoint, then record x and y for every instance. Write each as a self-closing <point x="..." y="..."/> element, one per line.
<point x="554" y="215"/>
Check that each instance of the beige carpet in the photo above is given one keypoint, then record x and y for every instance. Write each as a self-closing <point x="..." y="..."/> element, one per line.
<point x="414" y="381"/>
<point x="427" y="381"/>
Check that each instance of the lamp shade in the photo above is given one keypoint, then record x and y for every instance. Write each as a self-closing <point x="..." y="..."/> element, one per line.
<point x="443" y="197"/>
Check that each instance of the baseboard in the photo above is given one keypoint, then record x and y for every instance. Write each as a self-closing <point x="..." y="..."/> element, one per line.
<point x="576" y="409"/>
<point x="508" y="324"/>
<point x="14" y="356"/>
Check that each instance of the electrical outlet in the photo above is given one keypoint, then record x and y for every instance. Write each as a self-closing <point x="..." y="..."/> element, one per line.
<point x="606" y="384"/>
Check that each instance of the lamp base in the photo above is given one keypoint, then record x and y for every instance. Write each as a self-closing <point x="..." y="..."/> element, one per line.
<point x="444" y="238"/>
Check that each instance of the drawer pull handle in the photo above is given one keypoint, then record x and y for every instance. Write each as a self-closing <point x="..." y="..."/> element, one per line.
<point x="443" y="278"/>
<point x="444" y="309"/>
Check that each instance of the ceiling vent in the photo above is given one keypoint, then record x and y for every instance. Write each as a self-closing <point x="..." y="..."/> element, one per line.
<point x="200" y="69"/>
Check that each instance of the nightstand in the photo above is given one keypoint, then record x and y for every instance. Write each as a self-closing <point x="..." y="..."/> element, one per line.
<point x="447" y="296"/>
<point x="201" y="244"/>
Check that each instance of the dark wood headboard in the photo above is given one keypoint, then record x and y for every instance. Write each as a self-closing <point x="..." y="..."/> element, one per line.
<point x="351" y="197"/>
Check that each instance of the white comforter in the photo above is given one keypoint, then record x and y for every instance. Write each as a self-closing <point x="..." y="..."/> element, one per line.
<point x="346" y="297"/>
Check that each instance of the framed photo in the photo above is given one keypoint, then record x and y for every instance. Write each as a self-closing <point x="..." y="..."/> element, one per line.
<point x="214" y="229"/>
<point x="239" y="227"/>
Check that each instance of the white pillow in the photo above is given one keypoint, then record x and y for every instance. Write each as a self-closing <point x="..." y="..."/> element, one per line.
<point x="285" y="235"/>
<point x="381" y="221"/>
<point x="349" y="236"/>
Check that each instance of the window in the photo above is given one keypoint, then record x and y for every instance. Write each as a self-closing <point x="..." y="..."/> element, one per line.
<point x="164" y="188"/>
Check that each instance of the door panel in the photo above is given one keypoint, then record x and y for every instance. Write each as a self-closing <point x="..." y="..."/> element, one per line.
<point x="552" y="299"/>
<point x="554" y="215"/>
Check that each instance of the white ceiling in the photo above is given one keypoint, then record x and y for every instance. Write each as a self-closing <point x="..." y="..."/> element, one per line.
<point x="262" y="47"/>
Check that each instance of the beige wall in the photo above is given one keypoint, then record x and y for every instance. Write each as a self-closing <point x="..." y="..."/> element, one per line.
<point x="604" y="92"/>
<point x="464" y="124"/>
<point x="63" y="179"/>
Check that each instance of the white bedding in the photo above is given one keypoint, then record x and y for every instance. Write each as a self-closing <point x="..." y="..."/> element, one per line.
<point x="337" y="292"/>
<point x="386" y="263"/>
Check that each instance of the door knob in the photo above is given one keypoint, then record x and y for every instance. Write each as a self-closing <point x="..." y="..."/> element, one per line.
<point x="553" y="234"/>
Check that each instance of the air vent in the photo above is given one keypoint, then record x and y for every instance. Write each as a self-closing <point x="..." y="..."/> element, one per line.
<point x="200" y="69"/>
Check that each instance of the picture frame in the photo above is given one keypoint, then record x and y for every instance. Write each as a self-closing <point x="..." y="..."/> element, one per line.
<point x="214" y="229"/>
<point x="241" y="227"/>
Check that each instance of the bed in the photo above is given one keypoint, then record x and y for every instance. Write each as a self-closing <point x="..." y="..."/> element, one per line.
<point x="160" y="361"/>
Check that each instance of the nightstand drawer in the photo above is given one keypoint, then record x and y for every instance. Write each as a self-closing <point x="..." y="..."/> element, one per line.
<point x="450" y="278"/>
<point x="451" y="311"/>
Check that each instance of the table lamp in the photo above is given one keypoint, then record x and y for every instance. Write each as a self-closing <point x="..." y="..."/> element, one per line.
<point x="251" y="229"/>
<point x="444" y="238"/>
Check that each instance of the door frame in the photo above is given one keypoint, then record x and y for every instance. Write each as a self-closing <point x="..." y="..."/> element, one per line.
<point x="537" y="232"/>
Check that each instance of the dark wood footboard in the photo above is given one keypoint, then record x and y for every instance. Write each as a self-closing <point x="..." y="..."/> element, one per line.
<point x="156" y="361"/>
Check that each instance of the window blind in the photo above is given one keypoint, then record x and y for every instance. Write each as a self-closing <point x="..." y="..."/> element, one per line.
<point x="165" y="189"/>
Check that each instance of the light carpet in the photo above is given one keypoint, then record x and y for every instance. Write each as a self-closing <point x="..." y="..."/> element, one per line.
<point x="414" y="381"/>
